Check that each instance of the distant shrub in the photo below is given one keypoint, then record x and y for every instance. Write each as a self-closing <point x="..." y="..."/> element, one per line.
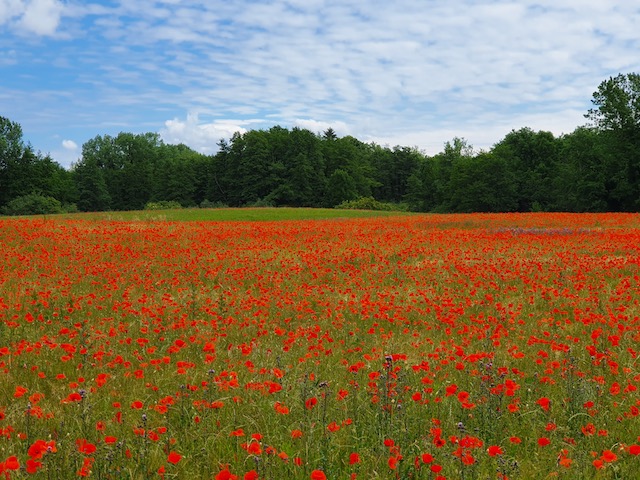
<point x="70" y="208"/>
<point x="163" y="205"/>
<point x="33" y="204"/>
<point x="370" y="203"/>
<point x="209" y="204"/>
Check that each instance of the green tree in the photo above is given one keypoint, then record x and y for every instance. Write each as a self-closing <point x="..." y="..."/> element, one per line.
<point x="305" y="169"/>
<point x="421" y="187"/>
<point x="354" y="157"/>
<point x="128" y="162"/>
<point x="11" y="151"/>
<point x="181" y="175"/>
<point x="483" y="183"/>
<point x="93" y="195"/>
<point x="443" y="164"/>
<point x="392" y="169"/>
<point x="249" y="174"/>
<point x="341" y="187"/>
<point x="616" y="115"/>
<point x="532" y="158"/>
<point x="580" y="182"/>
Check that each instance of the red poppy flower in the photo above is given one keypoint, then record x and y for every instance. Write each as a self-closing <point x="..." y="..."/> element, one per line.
<point x="318" y="475"/>
<point x="494" y="450"/>
<point x="174" y="458"/>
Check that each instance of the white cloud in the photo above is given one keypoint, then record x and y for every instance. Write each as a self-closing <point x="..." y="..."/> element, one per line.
<point x="69" y="145"/>
<point x="202" y="137"/>
<point x="41" y="17"/>
<point x="10" y="9"/>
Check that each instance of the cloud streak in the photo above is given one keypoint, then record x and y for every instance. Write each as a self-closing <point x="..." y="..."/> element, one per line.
<point x="424" y="71"/>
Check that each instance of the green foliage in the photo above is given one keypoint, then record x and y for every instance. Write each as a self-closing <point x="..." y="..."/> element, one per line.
<point x="370" y="203"/>
<point x="33" y="204"/>
<point x="616" y="116"/>
<point x="70" y="208"/>
<point x="162" y="205"/>
<point x="93" y="194"/>
<point x="617" y="102"/>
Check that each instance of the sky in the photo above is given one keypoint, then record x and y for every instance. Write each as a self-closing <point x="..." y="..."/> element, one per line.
<point x="396" y="72"/>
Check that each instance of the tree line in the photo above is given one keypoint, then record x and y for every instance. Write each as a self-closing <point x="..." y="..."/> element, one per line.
<point x="592" y="169"/>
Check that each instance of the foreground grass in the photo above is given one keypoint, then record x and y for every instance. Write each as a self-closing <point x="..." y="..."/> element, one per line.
<point x="419" y="346"/>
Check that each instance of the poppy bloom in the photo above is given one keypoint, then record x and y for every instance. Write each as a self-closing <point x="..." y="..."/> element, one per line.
<point x="609" y="456"/>
<point x="85" y="447"/>
<point x="333" y="427"/>
<point x="174" y="458"/>
<point x="12" y="463"/>
<point x="318" y="475"/>
<point x="634" y="449"/>
<point x="544" y="403"/>
<point x="226" y="475"/>
<point x="494" y="450"/>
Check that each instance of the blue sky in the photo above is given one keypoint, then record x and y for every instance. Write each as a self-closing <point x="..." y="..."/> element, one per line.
<point x="404" y="72"/>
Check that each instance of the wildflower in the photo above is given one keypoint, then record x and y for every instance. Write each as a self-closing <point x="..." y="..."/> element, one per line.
<point x="20" y="391"/>
<point x="33" y="465"/>
<point x="427" y="458"/>
<point x="12" y="463"/>
<point x="608" y="456"/>
<point x="544" y="403"/>
<point x="543" y="441"/>
<point x="318" y="475"/>
<point x="634" y="449"/>
<point x="333" y="427"/>
<point x="589" y="429"/>
<point x="226" y="475"/>
<point x="494" y="450"/>
<point x="85" y="447"/>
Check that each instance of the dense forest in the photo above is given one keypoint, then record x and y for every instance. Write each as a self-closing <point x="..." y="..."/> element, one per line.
<point x="595" y="168"/>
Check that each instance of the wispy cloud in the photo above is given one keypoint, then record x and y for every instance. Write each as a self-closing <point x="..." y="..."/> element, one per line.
<point x="398" y="71"/>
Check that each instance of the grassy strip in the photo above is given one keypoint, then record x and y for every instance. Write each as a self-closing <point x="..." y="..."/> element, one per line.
<point x="231" y="214"/>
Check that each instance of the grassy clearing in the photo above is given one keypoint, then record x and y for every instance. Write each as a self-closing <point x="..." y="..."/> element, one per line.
<point x="231" y="214"/>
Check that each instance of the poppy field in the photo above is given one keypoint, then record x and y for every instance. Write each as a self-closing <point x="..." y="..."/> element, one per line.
<point x="411" y="347"/>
